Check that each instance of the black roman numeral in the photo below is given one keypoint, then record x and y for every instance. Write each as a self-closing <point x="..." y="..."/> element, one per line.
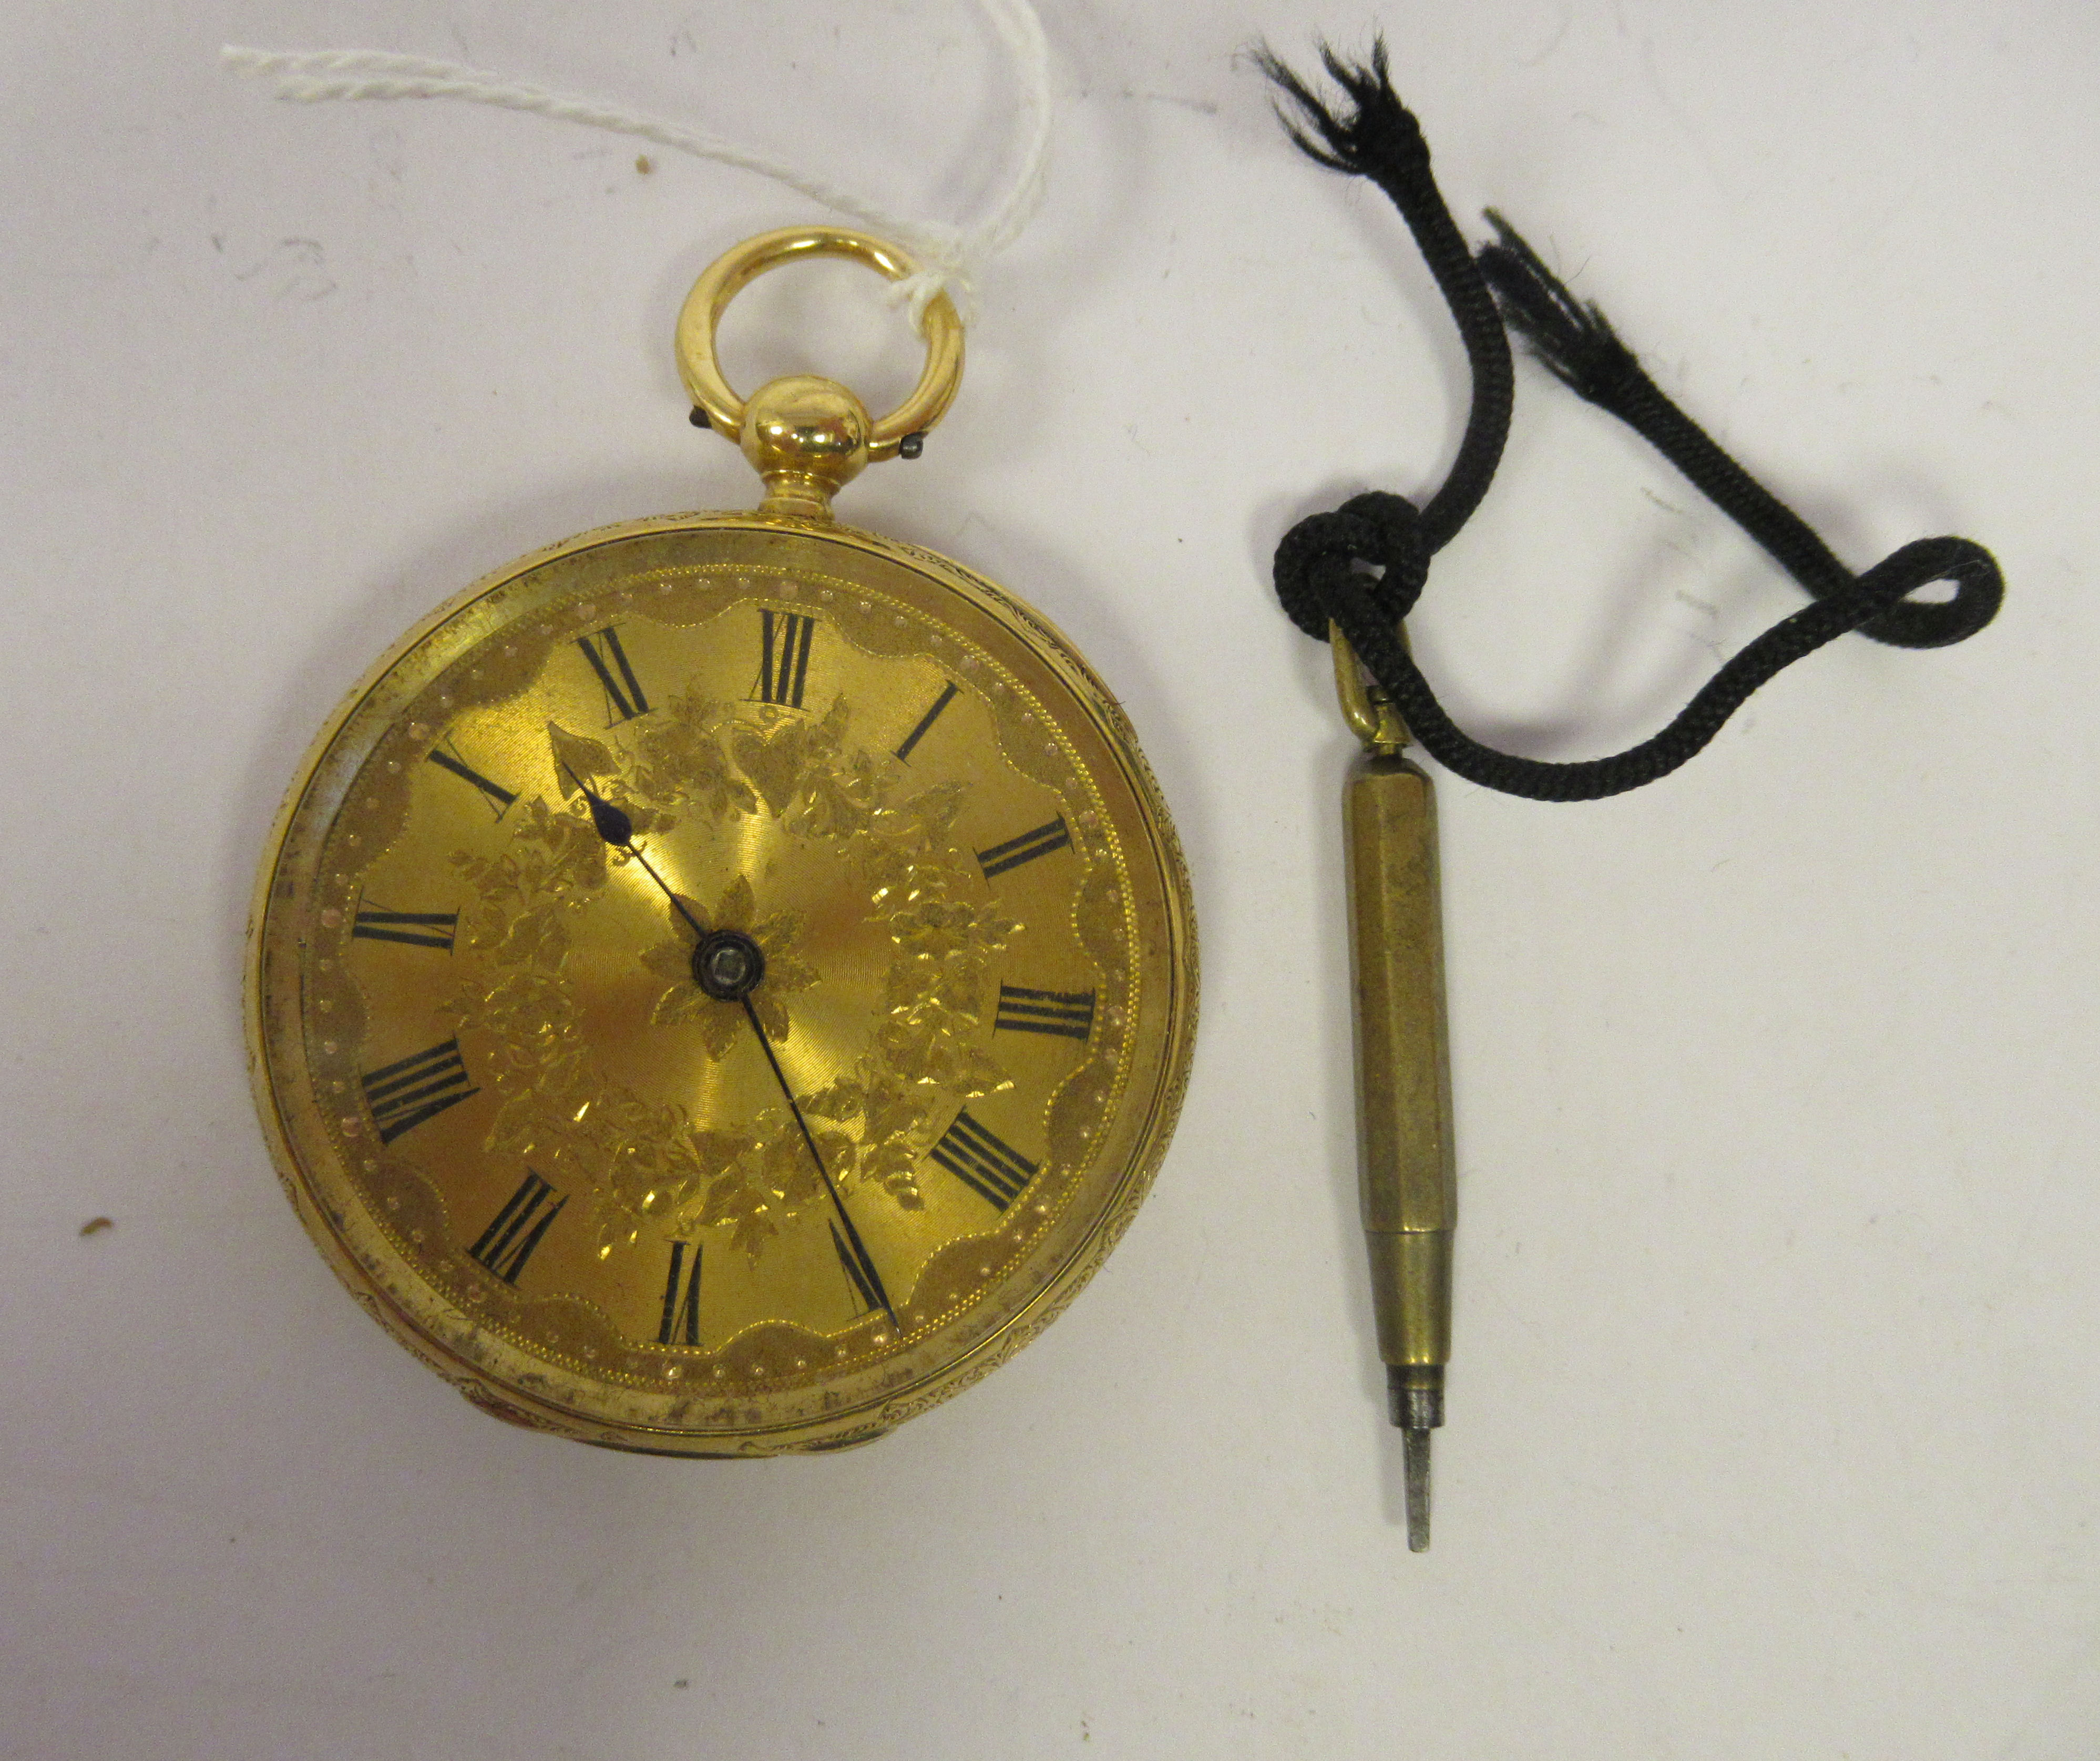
<point x="1024" y="848"/>
<point x="499" y="797"/>
<point x="418" y="929"/>
<point x="994" y="1171"/>
<point x="402" y="1095"/>
<point x="926" y="721"/>
<point x="681" y="1299"/>
<point x="624" y="700"/>
<point x="1068" y="1013"/>
<point x="507" y="1243"/>
<point x="867" y="1295"/>
<point x="784" y="663"/>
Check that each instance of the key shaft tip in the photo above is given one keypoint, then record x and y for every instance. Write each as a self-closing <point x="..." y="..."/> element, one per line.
<point x="1416" y="1442"/>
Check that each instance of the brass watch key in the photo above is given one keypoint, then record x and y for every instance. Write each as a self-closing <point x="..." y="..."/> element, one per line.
<point x="1406" y="1179"/>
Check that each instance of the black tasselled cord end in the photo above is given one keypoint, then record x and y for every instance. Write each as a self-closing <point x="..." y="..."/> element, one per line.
<point x="1573" y="340"/>
<point x="1377" y="131"/>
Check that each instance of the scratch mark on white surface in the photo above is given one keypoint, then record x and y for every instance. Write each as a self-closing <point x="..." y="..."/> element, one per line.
<point x="298" y="267"/>
<point x="1201" y="106"/>
<point x="1552" y="42"/>
<point x="1653" y="71"/>
<point x="388" y="154"/>
<point x="1711" y="644"/>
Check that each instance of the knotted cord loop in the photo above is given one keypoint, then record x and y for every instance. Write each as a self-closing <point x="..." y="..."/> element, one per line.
<point x="1371" y="531"/>
<point x="1363" y="566"/>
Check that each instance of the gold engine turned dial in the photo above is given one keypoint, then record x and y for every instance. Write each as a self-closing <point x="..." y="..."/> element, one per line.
<point x="724" y="983"/>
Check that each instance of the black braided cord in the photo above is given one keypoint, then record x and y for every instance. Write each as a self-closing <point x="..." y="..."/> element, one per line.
<point x="1362" y="567"/>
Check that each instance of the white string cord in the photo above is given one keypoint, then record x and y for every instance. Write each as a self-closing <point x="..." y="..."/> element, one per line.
<point x="954" y="256"/>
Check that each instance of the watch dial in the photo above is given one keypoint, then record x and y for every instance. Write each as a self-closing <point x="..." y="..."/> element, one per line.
<point x="711" y="967"/>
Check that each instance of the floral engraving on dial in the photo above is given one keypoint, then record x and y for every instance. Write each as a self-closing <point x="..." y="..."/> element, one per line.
<point x="705" y="774"/>
<point x="684" y="1003"/>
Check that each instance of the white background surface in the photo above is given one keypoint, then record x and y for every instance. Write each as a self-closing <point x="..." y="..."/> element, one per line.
<point x="1773" y="1426"/>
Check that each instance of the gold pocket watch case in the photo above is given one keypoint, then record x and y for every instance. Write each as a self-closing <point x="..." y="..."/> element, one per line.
<point x="724" y="982"/>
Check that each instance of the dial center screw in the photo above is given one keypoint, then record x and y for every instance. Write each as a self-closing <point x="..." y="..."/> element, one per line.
<point x="728" y="965"/>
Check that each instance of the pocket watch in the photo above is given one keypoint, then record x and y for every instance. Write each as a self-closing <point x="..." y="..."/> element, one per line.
<point x="722" y="983"/>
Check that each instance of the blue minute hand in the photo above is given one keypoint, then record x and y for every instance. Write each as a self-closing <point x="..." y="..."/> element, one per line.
<point x="613" y="825"/>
